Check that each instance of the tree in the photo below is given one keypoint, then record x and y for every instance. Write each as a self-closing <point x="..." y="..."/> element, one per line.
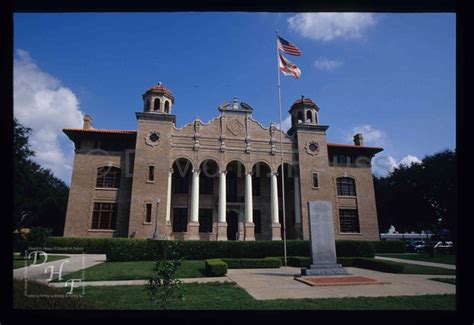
<point x="40" y="199"/>
<point x="163" y="286"/>
<point x="415" y="197"/>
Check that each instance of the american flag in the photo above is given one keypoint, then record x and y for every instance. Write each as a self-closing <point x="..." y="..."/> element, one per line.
<point x="287" y="47"/>
<point x="288" y="68"/>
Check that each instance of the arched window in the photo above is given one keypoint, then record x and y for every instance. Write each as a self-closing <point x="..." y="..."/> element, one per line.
<point x="108" y="177"/>
<point x="346" y="186"/>
<point x="300" y="117"/>
<point x="156" y="105"/>
<point x="167" y="106"/>
<point x="147" y="105"/>
<point x="309" y="116"/>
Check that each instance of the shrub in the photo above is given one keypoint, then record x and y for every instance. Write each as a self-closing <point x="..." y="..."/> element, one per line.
<point x="216" y="267"/>
<point x="124" y="249"/>
<point x="390" y="246"/>
<point x="378" y="265"/>
<point x="38" y="237"/>
<point x="252" y="263"/>
<point x="351" y="248"/>
<point x="298" y="261"/>
<point x="346" y="261"/>
<point x="79" y="245"/>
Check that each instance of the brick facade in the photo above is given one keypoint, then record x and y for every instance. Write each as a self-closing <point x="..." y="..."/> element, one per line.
<point x="229" y="146"/>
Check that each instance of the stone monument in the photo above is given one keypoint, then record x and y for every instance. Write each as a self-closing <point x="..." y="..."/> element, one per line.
<point x="322" y="243"/>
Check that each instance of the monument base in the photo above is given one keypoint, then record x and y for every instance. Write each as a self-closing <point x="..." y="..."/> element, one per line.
<point x="324" y="269"/>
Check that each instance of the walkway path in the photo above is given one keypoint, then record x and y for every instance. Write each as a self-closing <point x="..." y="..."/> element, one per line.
<point x="279" y="283"/>
<point x="74" y="262"/>
<point x="138" y="282"/>
<point x="401" y="260"/>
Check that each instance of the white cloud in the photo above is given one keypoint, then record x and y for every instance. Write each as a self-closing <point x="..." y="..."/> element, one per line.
<point x="384" y="165"/>
<point x="286" y="124"/>
<point x="409" y="160"/>
<point x="44" y="105"/>
<point x="327" y="26"/>
<point x="371" y="135"/>
<point x="325" y="64"/>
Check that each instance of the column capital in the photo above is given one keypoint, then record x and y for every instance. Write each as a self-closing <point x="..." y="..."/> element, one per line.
<point x="223" y="172"/>
<point x="196" y="171"/>
<point x="274" y="174"/>
<point x="249" y="173"/>
<point x="171" y="170"/>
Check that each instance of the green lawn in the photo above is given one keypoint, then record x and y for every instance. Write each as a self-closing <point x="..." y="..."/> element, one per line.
<point x="19" y="261"/>
<point x="139" y="270"/>
<point x="228" y="296"/>
<point x="438" y="258"/>
<point x="421" y="269"/>
<point x="135" y="271"/>
<point x="445" y="280"/>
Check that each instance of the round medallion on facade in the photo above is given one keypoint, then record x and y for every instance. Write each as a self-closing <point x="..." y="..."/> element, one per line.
<point x="152" y="138"/>
<point x="312" y="148"/>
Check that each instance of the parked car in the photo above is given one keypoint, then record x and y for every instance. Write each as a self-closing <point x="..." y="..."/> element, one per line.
<point x="444" y="247"/>
<point x="420" y="246"/>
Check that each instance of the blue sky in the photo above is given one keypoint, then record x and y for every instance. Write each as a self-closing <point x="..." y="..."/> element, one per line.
<point x="391" y="76"/>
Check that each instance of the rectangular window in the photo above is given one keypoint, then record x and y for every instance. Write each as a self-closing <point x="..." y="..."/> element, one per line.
<point x="131" y="162"/>
<point x="180" y="219"/>
<point x="257" y="220"/>
<point x="148" y="213"/>
<point x="151" y="173"/>
<point x="205" y="220"/>
<point x="315" y="182"/>
<point x="349" y="220"/>
<point x="346" y="186"/>
<point x="104" y="215"/>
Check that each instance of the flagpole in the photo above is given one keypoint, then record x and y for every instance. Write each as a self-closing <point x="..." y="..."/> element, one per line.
<point x="281" y="154"/>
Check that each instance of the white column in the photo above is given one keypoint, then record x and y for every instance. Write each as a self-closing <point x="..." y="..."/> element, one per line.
<point x="248" y="198"/>
<point x="168" y="202"/>
<point x="297" y="199"/>
<point x="222" y="196"/>
<point x="274" y="198"/>
<point x="195" y="197"/>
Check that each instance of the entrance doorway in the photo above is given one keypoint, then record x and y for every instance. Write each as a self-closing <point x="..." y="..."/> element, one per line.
<point x="232" y="225"/>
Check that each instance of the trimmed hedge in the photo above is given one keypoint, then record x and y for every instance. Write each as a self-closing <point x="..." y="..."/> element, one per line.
<point x="144" y="249"/>
<point x="79" y="245"/>
<point x="390" y="246"/>
<point x="252" y="263"/>
<point x="304" y="261"/>
<point x="126" y="249"/>
<point x="361" y="262"/>
<point x="216" y="267"/>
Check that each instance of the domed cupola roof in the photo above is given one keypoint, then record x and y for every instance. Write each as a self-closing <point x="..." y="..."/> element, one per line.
<point x="162" y="90"/>
<point x="304" y="102"/>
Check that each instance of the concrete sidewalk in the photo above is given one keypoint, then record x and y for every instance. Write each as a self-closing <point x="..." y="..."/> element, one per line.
<point x="264" y="284"/>
<point x="401" y="260"/>
<point x="74" y="262"/>
<point x="221" y="279"/>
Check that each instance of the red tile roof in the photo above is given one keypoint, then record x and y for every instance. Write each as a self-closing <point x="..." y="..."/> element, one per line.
<point x="353" y="146"/>
<point x="132" y="132"/>
<point x="307" y="101"/>
<point x="160" y="88"/>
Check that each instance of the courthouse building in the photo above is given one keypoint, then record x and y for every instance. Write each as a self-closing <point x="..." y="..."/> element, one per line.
<point x="219" y="180"/>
